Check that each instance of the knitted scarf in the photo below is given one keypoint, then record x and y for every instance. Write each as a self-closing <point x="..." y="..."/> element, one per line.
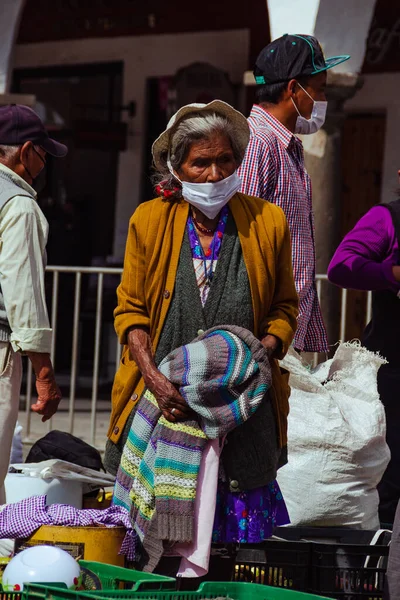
<point x="223" y="375"/>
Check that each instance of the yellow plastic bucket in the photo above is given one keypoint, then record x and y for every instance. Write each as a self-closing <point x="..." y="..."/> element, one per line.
<point x="99" y="544"/>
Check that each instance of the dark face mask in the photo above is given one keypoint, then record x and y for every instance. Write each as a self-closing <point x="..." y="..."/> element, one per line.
<point x="39" y="183"/>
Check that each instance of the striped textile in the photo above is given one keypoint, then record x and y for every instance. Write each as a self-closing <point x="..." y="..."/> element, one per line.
<point x="204" y="262"/>
<point x="223" y="375"/>
<point x="204" y="288"/>
<point x="273" y="169"/>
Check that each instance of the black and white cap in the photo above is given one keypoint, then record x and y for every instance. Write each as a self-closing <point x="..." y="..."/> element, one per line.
<point x="292" y="56"/>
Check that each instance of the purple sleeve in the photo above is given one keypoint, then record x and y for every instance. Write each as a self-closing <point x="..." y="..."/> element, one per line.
<point x="364" y="259"/>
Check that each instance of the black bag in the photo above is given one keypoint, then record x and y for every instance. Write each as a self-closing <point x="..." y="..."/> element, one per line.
<point x="64" y="446"/>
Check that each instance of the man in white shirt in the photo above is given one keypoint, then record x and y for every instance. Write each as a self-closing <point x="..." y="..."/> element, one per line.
<point x="24" y="322"/>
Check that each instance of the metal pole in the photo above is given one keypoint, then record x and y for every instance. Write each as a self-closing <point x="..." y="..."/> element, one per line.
<point x="118" y="355"/>
<point x="319" y="288"/>
<point x="28" y="398"/>
<point x="54" y="307"/>
<point x="343" y="315"/>
<point x="85" y="270"/>
<point x="369" y="308"/>
<point x="118" y="352"/>
<point x="74" y="357"/>
<point x="97" y="341"/>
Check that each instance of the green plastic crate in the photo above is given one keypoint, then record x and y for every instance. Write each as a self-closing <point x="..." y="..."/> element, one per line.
<point x="10" y="595"/>
<point x="207" y="591"/>
<point x="110" y="577"/>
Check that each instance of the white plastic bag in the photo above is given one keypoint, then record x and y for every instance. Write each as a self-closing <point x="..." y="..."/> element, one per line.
<point x="336" y="440"/>
<point x="61" y="469"/>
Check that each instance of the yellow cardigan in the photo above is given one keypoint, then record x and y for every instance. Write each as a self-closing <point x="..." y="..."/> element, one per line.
<point x="153" y="247"/>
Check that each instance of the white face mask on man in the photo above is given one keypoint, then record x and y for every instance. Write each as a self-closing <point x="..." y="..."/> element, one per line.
<point x="210" y="198"/>
<point x="314" y="123"/>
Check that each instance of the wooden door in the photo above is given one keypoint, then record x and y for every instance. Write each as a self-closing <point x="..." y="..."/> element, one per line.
<point x="362" y="161"/>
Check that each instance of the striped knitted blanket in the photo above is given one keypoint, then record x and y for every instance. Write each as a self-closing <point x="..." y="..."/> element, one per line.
<point x="223" y="375"/>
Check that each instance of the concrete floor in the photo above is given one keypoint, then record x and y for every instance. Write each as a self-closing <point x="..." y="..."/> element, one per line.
<point x="81" y="424"/>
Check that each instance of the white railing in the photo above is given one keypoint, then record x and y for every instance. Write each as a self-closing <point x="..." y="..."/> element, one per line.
<point x="320" y="279"/>
<point x="102" y="345"/>
<point x="100" y="272"/>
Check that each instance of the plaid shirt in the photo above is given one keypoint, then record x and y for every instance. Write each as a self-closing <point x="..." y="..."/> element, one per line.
<point x="273" y="169"/>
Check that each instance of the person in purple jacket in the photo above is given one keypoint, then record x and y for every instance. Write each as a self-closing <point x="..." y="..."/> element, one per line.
<point x="391" y="590"/>
<point x="368" y="259"/>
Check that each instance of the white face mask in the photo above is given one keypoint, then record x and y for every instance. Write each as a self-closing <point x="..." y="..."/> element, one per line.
<point x="317" y="119"/>
<point x="210" y="198"/>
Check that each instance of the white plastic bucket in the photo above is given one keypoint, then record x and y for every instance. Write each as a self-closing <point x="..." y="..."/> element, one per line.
<point x="58" y="491"/>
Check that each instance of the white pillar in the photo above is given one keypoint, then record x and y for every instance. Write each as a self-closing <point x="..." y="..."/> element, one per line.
<point x="292" y="16"/>
<point x="341" y="26"/>
<point x="10" y="13"/>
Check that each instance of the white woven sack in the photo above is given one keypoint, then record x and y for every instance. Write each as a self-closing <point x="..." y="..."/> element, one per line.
<point x="336" y="440"/>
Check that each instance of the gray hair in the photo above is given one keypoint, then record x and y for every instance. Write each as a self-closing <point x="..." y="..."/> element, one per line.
<point x="195" y="127"/>
<point x="7" y="153"/>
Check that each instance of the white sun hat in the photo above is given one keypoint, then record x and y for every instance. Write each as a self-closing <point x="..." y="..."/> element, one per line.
<point x="238" y="121"/>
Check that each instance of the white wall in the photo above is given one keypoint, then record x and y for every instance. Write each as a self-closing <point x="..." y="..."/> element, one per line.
<point x="380" y="93"/>
<point x="292" y="16"/>
<point x="10" y="13"/>
<point x="341" y="26"/>
<point x="143" y="57"/>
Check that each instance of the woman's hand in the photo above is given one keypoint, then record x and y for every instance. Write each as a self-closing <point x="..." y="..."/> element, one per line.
<point x="49" y="397"/>
<point x="48" y="392"/>
<point x="171" y="403"/>
<point x="271" y="344"/>
<point x="396" y="272"/>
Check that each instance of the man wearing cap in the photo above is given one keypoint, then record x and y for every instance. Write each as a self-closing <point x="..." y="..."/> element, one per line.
<point x="290" y="74"/>
<point x="24" y="323"/>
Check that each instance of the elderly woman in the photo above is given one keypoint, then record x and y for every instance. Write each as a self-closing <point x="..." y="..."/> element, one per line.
<point x="203" y="255"/>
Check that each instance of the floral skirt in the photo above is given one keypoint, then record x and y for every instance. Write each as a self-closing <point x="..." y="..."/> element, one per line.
<point x="248" y="517"/>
